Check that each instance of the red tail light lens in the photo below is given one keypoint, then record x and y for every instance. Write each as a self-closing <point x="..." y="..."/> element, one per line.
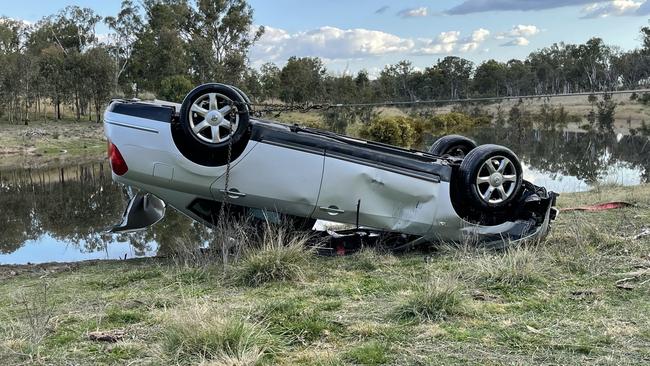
<point x="116" y="160"/>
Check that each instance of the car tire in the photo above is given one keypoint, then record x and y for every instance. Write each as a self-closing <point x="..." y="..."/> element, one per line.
<point x="490" y="178"/>
<point x="452" y="145"/>
<point x="247" y="100"/>
<point x="243" y="95"/>
<point x="203" y="144"/>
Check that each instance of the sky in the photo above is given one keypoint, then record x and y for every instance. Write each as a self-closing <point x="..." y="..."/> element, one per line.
<point x="362" y="34"/>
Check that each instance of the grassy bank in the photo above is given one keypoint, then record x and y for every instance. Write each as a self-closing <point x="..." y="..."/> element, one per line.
<point x="581" y="296"/>
<point x="50" y="143"/>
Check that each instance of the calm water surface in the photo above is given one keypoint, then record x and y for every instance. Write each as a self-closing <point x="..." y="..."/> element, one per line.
<point x="60" y="214"/>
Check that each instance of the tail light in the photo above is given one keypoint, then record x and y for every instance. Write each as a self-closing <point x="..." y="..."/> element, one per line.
<point x="116" y="160"/>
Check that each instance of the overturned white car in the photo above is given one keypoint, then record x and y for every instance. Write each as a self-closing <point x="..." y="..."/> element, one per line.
<point x="209" y="150"/>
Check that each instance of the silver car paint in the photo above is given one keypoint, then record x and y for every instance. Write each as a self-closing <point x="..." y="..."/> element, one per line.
<point x="289" y="181"/>
<point x="274" y="178"/>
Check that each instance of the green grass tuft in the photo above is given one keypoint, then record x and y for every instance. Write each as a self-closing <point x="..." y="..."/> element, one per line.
<point x="367" y="259"/>
<point x="206" y="334"/>
<point x="371" y="353"/>
<point x="516" y="267"/>
<point x="282" y="256"/>
<point x="295" y="320"/>
<point x="118" y="316"/>
<point x="438" y="299"/>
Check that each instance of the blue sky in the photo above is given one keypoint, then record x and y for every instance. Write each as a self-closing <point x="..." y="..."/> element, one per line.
<point x="364" y="34"/>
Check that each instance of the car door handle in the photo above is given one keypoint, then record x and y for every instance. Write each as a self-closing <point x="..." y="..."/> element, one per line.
<point x="233" y="193"/>
<point x="332" y="210"/>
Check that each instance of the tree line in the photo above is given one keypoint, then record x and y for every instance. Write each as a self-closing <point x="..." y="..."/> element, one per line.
<point x="157" y="46"/>
<point x="166" y="47"/>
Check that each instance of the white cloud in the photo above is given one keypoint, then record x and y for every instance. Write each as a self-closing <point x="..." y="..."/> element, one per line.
<point x="519" y="30"/>
<point x="448" y="37"/>
<point x="468" y="47"/>
<point x="480" y="35"/>
<point x="612" y="8"/>
<point x="332" y="44"/>
<point x="433" y="48"/>
<point x="473" y="42"/>
<point x="518" y="35"/>
<point x="522" y="30"/>
<point x="519" y="41"/>
<point x="328" y="42"/>
<point x="448" y="42"/>
<point x="414" y="12"/>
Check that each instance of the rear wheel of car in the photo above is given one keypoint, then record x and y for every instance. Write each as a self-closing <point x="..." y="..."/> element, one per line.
<point x="214" y="118"/>
<point x="490" y="177"/>
<point x="452" y="145"/>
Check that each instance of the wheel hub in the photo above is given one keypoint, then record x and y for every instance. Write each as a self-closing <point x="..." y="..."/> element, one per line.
<point x="214" y="118"/>
<point x="496" y="180"/>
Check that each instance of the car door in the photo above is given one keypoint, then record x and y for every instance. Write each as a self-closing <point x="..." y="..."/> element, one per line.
<point x="275" y="178"/>
<point x="384" y="199"/>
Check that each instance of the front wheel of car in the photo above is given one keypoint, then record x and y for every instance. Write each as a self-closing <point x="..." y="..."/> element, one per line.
<point x="213" y="127"/>
<point x="490" y="177"/>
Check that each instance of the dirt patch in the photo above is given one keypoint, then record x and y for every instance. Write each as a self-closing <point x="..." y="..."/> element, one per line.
<point x="44" y="143"/>
<point x="45" y="269"/>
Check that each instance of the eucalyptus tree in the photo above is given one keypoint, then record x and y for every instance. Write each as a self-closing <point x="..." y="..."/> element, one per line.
<point x="58" y="43"/>
<point x="126" y="26"/>
<point x="222" y="32"/>
<point x="270" y="80"/>
<point x="99" y="71"/>
<point x="160" y="50"/>
<point x="489" y="78"/>
<point x="301" y="80"/>
<point x="14" y="68"/>
<point x="456" y="72"/>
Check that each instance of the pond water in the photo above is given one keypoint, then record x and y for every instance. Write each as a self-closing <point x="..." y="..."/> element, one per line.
<point x="60" y="214"/>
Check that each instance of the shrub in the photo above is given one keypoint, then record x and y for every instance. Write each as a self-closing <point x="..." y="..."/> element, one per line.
<point x="606" y="110"/>
<point x="553" y="117"/>
<point x="644" y="99"/>
<point x="454" y="122"/>
<point x="438" y="299"/>
<point x="205" y="334"/>
<point x="174" y="88"/>
<point x="645" y="129"/>
<point x="395" y="130"/>
<point x="281" y="256"/>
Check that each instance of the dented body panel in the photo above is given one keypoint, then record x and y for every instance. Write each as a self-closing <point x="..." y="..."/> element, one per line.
<point x="386" y="200"/>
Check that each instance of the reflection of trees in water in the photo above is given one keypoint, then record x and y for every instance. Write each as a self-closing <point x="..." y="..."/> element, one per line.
<point x="75" y="205"/>
<point x="585" y="155"/>
<point x="72" y="204"/>
<point x="174" y="230"/>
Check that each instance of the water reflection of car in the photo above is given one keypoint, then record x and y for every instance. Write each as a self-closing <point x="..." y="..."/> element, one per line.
<point x="209" y="150"/>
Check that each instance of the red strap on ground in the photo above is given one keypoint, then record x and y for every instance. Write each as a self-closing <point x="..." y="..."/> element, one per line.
<point x="599" y="207"/>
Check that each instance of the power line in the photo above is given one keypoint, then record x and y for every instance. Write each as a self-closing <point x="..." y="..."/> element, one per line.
<point x="307" y="107"/>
